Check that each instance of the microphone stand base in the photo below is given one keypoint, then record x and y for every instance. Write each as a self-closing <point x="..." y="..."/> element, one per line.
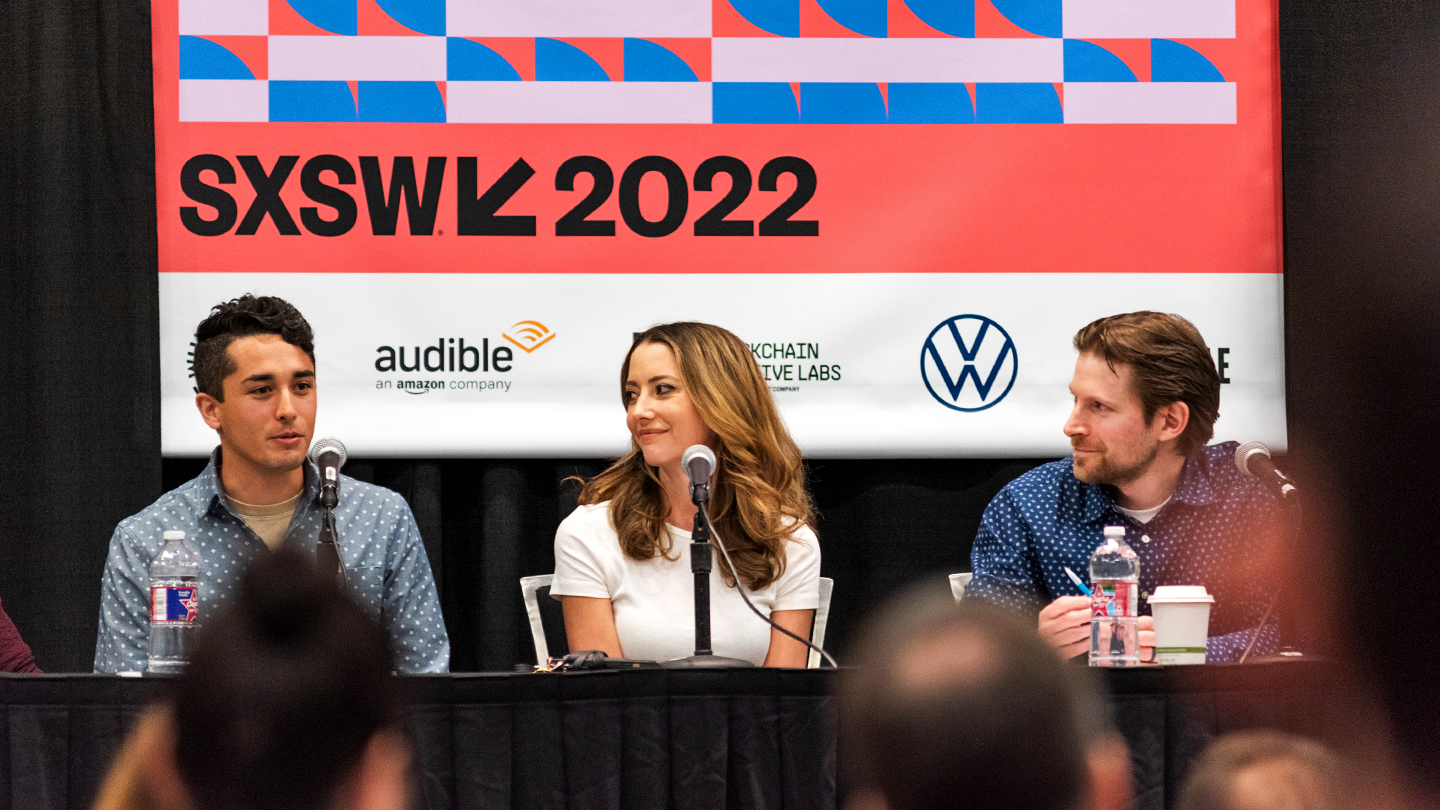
<point x="707" y="662"/>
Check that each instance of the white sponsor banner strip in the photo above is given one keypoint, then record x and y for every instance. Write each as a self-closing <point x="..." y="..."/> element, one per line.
<point x="224" y="100"/>
<point x="1150" y="102"/>
<point x="297" y="58"/>
<point x="1163" y="19"/>
<point x="887" y="60"/>
<point x="849" y="357"/>
<point x="578" y="102"/>
<point x="225" y="17"/>
<point x="578" y="18"/>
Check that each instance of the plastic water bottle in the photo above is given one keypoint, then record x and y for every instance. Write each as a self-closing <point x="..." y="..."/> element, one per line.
<point x="174" y="604"/>
<point x="1114" y="606"/>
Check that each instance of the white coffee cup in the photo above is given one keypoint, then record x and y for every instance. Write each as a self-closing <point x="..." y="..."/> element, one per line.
<point x="1182" y="623"/>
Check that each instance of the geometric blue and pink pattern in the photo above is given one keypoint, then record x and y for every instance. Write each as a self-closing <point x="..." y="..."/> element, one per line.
<point x="708" y="61"/>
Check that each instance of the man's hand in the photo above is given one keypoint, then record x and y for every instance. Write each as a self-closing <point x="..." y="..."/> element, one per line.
<point x="1065" y="625"/>
<point x="1147" y="639"/>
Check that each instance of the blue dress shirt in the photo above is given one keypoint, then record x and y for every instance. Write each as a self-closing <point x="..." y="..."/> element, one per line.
<point x="1211" y="533"/>
<point x="388" y="571"/>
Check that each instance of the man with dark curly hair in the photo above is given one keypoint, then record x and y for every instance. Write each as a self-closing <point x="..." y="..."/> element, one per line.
<point x="255" y="375"/>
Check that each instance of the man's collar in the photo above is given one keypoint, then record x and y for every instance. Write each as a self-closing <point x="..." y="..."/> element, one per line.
<point x="1193" y="489"/>
<point x="1096" y="501"/>
<point x="208" y="484"/>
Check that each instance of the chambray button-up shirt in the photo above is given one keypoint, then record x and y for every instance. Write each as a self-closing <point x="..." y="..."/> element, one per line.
<point x="388" y="571"/>
<point x="1210" y="533"/>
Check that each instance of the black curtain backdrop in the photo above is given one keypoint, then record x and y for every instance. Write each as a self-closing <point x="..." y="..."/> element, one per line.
<point x="79" y="438"/>
<point x="79" y="320"/>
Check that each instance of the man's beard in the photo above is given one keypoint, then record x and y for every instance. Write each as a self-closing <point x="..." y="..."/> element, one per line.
<point x="1103" y="469"/>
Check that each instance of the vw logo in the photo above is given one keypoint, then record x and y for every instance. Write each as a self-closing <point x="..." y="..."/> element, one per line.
<point x="969" y="363"/>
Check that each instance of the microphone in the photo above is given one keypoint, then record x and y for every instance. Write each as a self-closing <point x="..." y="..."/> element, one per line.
<point x="1253" y="458"/>
<point x="329" y="456"/>
<point x="699" y="465"/>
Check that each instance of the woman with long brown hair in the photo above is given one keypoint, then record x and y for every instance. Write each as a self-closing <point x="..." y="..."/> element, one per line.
<point x="622" y="558"/>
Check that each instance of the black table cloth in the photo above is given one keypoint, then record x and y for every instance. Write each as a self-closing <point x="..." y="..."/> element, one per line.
<point x="692" y="739"/>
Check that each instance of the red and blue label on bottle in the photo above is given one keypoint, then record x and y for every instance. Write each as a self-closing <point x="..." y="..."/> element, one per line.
<point x="1113" y="599"/>
<point x="174" y="604"/>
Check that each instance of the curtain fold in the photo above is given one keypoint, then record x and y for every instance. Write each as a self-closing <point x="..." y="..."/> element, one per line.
<point x="79" y="308"/>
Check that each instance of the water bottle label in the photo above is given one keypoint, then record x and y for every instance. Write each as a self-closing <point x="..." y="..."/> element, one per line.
<point x="174" y="604"/>
<point x="1113" y="599"/>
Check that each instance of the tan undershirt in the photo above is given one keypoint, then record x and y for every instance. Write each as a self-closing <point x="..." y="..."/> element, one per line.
<point x="270" y="522"/>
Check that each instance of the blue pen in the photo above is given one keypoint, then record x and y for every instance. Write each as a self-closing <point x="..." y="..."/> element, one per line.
<point x="1076" y="579"/>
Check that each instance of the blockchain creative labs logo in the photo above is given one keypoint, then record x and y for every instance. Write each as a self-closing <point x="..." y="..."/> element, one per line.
<point x="969" y="363"/>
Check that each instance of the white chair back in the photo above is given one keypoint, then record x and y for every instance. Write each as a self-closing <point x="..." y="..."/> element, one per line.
<point x="528" y="587"/>
<point x="957" y="585"/>
<point x="822" y="617"/>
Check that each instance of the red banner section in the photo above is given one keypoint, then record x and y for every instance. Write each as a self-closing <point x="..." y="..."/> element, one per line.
<point x="276" y="195"/>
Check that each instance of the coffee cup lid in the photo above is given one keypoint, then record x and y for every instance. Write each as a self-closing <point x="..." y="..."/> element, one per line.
<point x="1181" y="594"/>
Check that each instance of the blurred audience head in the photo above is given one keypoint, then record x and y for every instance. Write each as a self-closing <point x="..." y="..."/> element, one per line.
<point x="964" y="705"/>
<point x="288" y="701"/>
<point x="1265" y="770"/>
<point x="143" y="775"/>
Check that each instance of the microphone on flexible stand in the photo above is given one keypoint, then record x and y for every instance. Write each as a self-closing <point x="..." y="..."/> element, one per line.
<point x="328" y="455"/>
<point x="699" y="466"/>
<point x="1253" y="459"/>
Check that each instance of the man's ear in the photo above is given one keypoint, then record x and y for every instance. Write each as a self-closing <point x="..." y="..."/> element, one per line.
<point x="1172" y="419"/>
<point x="209" y="408"/>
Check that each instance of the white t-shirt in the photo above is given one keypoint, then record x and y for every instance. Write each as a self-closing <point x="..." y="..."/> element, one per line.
<point x="654" y="599"/>
<point x="1143" y="516"/>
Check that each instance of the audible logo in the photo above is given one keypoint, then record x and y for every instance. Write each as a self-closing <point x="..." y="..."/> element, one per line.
<point x="462" y="356"/>
<point x="446" y="355"/>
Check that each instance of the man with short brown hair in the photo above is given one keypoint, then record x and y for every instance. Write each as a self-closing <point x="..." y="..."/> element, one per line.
<point x="1146" y="396"/>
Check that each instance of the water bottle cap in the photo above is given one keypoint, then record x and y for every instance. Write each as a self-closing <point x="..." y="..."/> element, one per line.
<point x="174" y="534"/>
<point x="1114" y="531"/>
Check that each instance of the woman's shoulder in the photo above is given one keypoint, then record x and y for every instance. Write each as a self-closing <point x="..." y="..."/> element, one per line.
<point x="801" y="534"/>
<point x="588" y="516"/>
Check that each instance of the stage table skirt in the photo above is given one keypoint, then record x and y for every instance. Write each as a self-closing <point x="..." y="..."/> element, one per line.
<point x="691" y="739"/>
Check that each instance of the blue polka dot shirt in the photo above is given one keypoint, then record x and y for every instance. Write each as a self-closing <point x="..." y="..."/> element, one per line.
<point x="385" y="562"/>
<point x="1210" y="533"/>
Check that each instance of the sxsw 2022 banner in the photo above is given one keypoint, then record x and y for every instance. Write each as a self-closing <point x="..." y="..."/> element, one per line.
<point x="905" y="207"/>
